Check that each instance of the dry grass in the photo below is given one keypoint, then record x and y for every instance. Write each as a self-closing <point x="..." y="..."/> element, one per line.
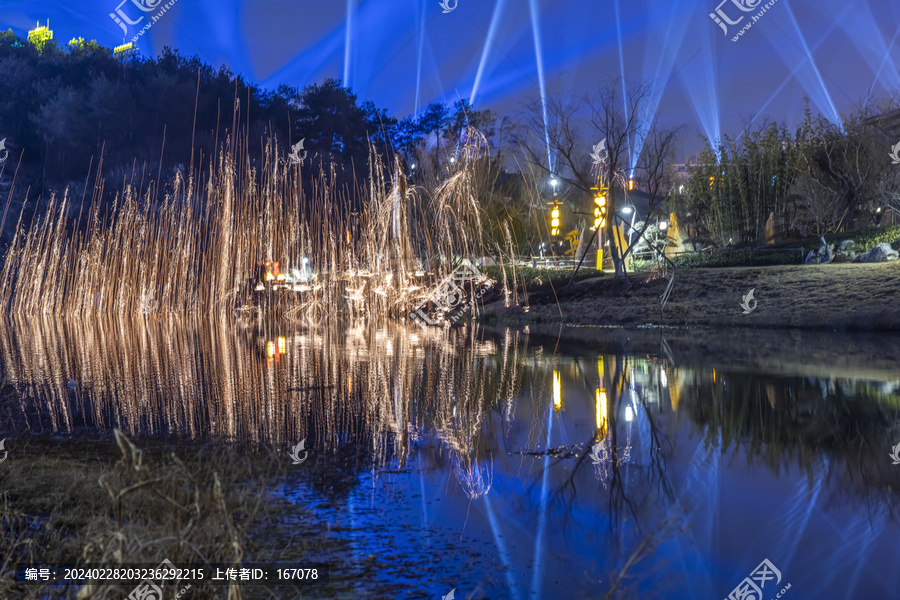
<point x="193" y="251"/>
<point x="833" y="296"/>
<point x="74" y="502"/>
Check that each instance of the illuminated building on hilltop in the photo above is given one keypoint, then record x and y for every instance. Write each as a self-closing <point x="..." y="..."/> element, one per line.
<point x="40" y="35"/>
<point x="125" y="50"/>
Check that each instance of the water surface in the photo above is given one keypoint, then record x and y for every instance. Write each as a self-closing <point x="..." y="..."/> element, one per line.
<point x="508" y="464"/>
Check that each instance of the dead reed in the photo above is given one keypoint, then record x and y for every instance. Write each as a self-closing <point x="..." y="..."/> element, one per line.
<point x="376" y="246"/>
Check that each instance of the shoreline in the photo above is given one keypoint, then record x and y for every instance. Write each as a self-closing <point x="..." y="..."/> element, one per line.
<point x="842" y="297"/>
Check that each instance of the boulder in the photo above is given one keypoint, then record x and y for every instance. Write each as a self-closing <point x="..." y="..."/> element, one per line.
<point x="880" y="253"/>
<point x="825" y="254"/>
<point x="846" y="246"/>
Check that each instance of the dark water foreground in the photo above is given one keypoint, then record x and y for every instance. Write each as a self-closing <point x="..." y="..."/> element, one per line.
<point x="573" y="463"/>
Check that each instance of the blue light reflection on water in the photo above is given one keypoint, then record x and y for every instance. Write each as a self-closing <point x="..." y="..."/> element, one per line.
<point x="703" y="483"/>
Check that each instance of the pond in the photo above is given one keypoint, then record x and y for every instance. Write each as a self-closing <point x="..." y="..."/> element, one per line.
<point x="508" y="463"/>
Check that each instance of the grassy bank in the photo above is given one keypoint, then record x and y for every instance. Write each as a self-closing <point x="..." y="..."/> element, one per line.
<point x="109" y="502"/>
<point x="834" y="296"/>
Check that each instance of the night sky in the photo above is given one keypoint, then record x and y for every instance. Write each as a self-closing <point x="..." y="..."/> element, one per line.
<point x="403" y="54"/>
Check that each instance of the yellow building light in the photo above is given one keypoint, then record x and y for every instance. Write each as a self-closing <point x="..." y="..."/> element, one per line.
<point x="124" y="50"/>
<point x="40" y="35"/>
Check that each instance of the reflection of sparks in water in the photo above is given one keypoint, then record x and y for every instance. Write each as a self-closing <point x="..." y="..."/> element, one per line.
<point x="328" y="385"/>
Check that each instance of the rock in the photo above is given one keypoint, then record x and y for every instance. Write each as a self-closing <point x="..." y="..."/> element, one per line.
<point x="841" y="257"/>
<point x="880" y="253"/>
<point x="846" y="246"/>
<point x="825" y="254"/>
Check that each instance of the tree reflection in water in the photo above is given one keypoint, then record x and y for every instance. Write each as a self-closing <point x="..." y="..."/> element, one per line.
<point x="588" y="443"/>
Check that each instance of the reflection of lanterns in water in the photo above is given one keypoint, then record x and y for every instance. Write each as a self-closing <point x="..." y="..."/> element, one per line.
<point x="629" y="413"/>
<point x="557" y="391"/>
<point x="601" y="409"/>
<point x="662" y="377"/>
<point x="275" y="350"/>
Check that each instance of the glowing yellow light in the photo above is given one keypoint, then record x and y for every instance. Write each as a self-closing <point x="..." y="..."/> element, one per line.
<point x="281" y="277"/>
<point x="554" y="222"/>
<point x="270" y="349"/>
<point x="601" y="407"/>
<point x="270" y="276"/>
<point x="557" y="391"/>
<point x="282" y="345"/>
<point x="599" y="211"/>
<point x="631" y="184"/>
<point x="122" y="50"/>
<point x="40" y="35"/>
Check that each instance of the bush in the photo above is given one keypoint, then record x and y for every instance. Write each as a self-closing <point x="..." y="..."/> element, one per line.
<point x="738" y="258"/>
<point x="865" y="239"/>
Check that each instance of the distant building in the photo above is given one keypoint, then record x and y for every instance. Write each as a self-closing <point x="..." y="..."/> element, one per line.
<point x="125" y="50"/>
<point x="684" y="171"/>
<point x="40" y="35"/>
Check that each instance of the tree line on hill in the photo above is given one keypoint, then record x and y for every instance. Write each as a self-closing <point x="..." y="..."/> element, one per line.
<point x="69" y="111"/>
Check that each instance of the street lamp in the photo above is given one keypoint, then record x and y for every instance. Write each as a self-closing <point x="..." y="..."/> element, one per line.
<point x="663" y="225"/>
<point x="554" y="182"/>
<point x="626" y="210"/>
